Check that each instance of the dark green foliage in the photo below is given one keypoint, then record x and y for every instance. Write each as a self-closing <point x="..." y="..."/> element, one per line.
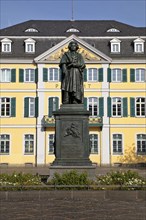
<point x="70" y="178"/>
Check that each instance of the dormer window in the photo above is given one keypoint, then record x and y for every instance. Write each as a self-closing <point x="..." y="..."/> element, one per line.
<point x="139" y="45"/>
<point x="29" y="45"/>
<point x="6" y="45"/>
<point x="72" y="30"/>
<point x="31" y="30"/>
<point x="115" y="45"/>
<point x="113" y="30"/>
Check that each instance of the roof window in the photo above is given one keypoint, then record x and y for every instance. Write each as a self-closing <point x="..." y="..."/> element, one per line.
<point x="72" y="30"/>
<point x="31" y="30"/>
<point x="6" y="45"/>
<point x="113" y="30"/>
<point x="139" y="45"/>
<point x="30" y="45"/>
<point x="115" y="45"/>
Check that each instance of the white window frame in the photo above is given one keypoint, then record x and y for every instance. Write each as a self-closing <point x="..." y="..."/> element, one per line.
<point x="29" y="75"/>
<point x="6" y="45"/>
<point x="49" y="139"/>
<point x="116" y="104"/>
<point x="94" y="75"/>
<point x="138" y="71"/>
<point x="92" y="104"/>
<point x="115" y="71"/>
<point x="29" y="153"/>
<point x="117" y="140"/>
<point x="53" y="74"/>
<point x="31" y="107"/>
<point x="139" y="43"/>
<point x="30" y="45"/>
<point x="54" y="106"/>
<point x="5" y="153"/>
<point x="6" y="106"/>
<point x="139" y="153"/>
<point x="5" y="72"/>
<point x="140" y="103"/>
<point x="115" y="45"/>
<point x="92" y="147"/>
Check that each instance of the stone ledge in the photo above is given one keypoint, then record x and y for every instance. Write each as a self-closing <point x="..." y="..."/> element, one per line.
<point x="111" y="195"/>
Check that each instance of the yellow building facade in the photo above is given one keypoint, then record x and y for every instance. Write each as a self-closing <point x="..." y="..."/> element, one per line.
<point x="114" y="93"/>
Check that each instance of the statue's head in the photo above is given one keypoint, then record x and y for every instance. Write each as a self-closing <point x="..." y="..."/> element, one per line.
<point x="73" y="46"/>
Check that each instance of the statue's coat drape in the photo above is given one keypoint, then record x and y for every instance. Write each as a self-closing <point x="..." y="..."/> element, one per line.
<point x="72" y="75"/>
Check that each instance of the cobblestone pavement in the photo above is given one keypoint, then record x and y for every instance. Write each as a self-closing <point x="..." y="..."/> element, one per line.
<point x="67" y="208"/>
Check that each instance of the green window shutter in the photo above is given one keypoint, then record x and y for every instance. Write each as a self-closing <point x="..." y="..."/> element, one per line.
<point x="36" y="75"/>
<point x="36" y="107"/>
<point x="101" y="108"/>
<point x="85" y="103"/>
<point x="13" y="75"/>
<point x="60" y="75"/>
<point x="85" y="75"/>
<point x="109" y="106"/>
<point x="26" y="107"/>
<point x="21" y="75"/>
<point x="45" y="75"/>
<point x="13" y="107"/>
<point x="100" y="74"/>
<point x="124" y="75"/>
<point x="109" y="75"/>
<point x="56" y="103"/>
<point x="132" y="75"/>
<point x="50" y="107"/>
<point x="132" y="107"/>
<point x="125" y="107"/>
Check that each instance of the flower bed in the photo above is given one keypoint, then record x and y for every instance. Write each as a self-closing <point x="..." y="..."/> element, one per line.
<point x="73" y="180"/>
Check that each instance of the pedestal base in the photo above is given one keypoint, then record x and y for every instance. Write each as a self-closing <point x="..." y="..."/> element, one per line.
<point x="90" y="170"/>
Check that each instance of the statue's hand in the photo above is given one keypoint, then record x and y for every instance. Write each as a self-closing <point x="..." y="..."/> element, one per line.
<point x="75" y="65"/>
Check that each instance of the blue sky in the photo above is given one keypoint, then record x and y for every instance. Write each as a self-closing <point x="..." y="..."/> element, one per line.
<point x="132" y="12"/>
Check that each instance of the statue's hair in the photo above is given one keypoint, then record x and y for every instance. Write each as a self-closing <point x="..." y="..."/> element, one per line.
<point x="69" y="46"/>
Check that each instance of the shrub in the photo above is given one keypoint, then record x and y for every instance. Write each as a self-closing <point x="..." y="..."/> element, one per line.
<point x="70" y="178"/>
<point x="127" y="178"/>
<point x="19" y="179"/>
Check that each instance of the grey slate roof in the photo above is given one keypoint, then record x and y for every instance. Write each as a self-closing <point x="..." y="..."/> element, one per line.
<point x="86" y="28"/>
<point x="59" y="28"/>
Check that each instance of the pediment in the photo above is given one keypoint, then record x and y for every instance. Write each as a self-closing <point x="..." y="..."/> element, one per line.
<point x="89" y="53"/>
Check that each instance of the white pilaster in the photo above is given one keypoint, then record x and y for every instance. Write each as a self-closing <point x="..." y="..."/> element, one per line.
<point x="40" y="130"/>
<point x="105" y="148"/>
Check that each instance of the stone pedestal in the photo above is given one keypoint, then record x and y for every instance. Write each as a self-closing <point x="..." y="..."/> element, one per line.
<point x="89" y="170"/>
<point x="72" y="136"/>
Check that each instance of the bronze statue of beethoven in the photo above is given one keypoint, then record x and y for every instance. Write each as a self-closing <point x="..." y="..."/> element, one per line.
<point x="72" y="66"/>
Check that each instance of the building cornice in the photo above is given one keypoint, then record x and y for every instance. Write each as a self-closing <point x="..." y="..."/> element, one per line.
<point x="82" y="37"/>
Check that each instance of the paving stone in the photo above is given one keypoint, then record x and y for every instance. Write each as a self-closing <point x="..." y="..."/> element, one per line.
<point x="57" y="208"/>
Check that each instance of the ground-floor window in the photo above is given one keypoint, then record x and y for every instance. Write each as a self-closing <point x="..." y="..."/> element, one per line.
<point x="29" y="144"/>
<point x="51" y="144"/>
<point x="4" y="144"/>
<point x="141" y="143"/>
<point x="93" y="143"/>
<point x="117" y="144"/>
